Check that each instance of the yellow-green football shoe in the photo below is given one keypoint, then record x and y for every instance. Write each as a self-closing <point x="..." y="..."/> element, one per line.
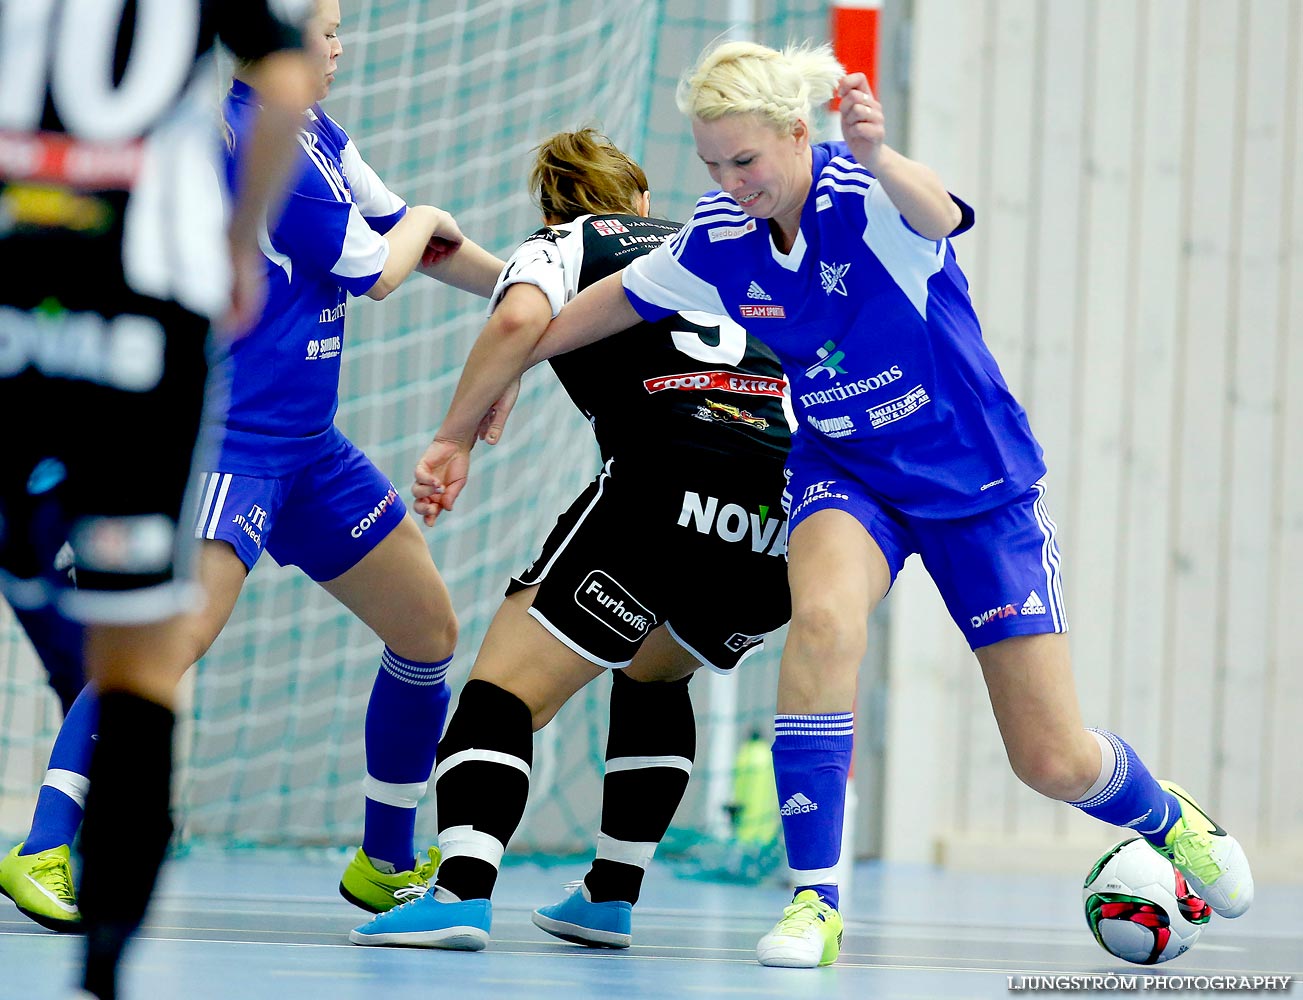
<point x="809" y="935"/>
<point x="41" y="887"/>
<point x="378" y="892"/>
<point x="1211" y="860"/>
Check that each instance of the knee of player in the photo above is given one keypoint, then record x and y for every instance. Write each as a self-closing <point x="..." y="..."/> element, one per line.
<point x="445" y="635"/>
<point x="1058" y="772"/>
<point x="543" y="714"/>
<point x="827" y="634"/>
<point x="429" y="641"/>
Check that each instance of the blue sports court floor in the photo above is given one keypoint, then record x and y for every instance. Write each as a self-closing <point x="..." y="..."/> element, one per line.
<point x="271" y="926"/>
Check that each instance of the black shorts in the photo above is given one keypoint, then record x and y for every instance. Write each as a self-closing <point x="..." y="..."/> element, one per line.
<point x="101" y="400"/>
<point x="701" y="553"/>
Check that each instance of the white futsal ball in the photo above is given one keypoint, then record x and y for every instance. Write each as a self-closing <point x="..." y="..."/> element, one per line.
<point x="1139" y="907"/>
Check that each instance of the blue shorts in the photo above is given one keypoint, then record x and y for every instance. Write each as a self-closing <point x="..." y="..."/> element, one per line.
<point x="322" y="518"/>
<point x="997" y="571"/>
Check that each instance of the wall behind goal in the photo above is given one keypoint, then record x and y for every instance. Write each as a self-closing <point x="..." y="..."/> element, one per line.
<point x="1137" y="172"/>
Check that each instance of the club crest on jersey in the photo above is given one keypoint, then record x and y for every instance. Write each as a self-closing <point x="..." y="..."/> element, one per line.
<point x="831" y="277"/>
<point x="609" y="227"/>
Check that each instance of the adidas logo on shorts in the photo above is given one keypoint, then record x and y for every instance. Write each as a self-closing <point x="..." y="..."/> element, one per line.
<point x="1033" y="605"/>
<point x="798" y="803"/>
<point x="756" y="292"/>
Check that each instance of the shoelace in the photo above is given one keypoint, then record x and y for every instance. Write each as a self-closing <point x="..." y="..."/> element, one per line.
<point x="410" y="894"/>
<point x="54" y="874"/>
<point x="799" y="917"/>
<point x="1190" y="851"/>
<point x="426" y="869"/>
<point x="415" y="890"/>
<point x="573" y="886"/>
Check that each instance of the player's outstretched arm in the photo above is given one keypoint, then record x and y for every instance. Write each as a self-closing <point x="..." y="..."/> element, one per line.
<point x="495" y="421"/>
<point x="598" y="311"/>
<point x="408" y="242"/>
<point x="915" y="189"/>
<point x="467" y="266"/>
<point x="500" y="355"/>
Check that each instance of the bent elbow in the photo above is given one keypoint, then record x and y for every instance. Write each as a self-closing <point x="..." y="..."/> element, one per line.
<point x="523" y="313"/>
<point x="952" y="216"/>
<point x="937" y="222"/>
<point x="380" y="290"/>
<point x="523" y="326"/>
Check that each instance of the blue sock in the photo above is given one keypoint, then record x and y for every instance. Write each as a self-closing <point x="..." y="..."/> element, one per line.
<point x="63" y="793"/>
<point x="404" y="720"/>
<point x="812" y="758"/>
<point x="1126" y="794"/>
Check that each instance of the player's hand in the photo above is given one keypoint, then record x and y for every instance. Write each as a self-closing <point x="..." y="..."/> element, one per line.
<point x="490" y="430"/>
<point x="863" y="124"/>
<point x="444" y="242"/>
<point x="439" y="477"/>
<point x="248" y="291"/>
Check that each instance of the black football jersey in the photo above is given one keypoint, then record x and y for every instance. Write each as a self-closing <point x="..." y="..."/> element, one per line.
<point x="113" y="105"/>
<point x="692" y="381"/>
<point x="111" y="72"/>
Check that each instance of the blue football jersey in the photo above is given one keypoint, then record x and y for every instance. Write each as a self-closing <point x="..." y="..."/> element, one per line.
<point x="282" y="378"/>
<point x="874" y="328"/>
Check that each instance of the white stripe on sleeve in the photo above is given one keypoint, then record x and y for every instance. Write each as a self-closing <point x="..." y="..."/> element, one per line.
<point x="662" y="280"/>
<point x="910" y="259"/>
<point x="373" y="198"/>
<point x="364" y="251"/>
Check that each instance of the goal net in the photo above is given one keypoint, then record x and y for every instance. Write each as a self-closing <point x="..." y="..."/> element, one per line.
<point x="446" y="101"/>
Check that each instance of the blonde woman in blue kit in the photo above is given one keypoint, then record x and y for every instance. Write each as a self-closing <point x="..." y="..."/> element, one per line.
<point x="838" y="256"/>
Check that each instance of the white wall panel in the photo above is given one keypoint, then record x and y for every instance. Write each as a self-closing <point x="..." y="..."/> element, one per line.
<point x="1282" y="801"/>
<point x="1137" y="264"/>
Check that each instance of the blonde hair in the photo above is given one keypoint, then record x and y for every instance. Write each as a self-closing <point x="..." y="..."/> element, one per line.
<point x="781" y="86"/>
<point x="584" y="173"/>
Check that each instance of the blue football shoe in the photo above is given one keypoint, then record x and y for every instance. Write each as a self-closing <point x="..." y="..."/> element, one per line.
<point x="577" y="918"/>
<point x="425" y="922"/>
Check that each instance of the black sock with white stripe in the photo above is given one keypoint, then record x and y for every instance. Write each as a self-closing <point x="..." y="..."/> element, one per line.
<point x="481" y="785"/>
<point x="126" y="829"/>
<point x="650" y="747"/>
